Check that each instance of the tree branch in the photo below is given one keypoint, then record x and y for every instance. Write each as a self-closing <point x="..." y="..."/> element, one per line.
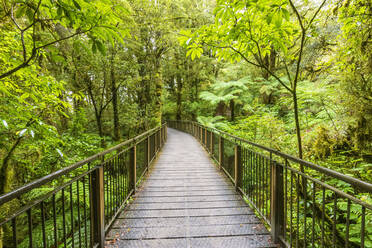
<point x="35" y="50"/>
<point x="316" y="13"/>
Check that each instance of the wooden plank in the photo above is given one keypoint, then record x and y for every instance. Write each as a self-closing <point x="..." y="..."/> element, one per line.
<point x="186" y="201"/>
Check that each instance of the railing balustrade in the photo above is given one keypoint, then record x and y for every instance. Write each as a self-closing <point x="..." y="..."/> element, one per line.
<point x="81" y="201"/>
<point x="300" y="209"/>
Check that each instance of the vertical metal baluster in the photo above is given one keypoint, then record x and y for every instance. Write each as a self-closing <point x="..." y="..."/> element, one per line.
<point x="363" y="226"/>
<point x="347" y="224"/>
<point x="285" y="175"/>
<point x="119" y="181"/>
<point x="111" y="172"/>
<point x="72" y="217"/>
<point x="42" y="212"/>
<point x="112" y="162"/>
<point x="323" y="209"/>
<point x="249" y="174"/>
<point x="254" y="171"/>
<point x="85" y="214"/>
<point x="90" y="208"/>
<point x="256" y="179"/>
<point x="14" y="227"/>
<point x="291" y="210"/>
<point x="270" y="181"/>
<point x="298" y="209"/>
<point x="245" y="170"/>
<point x="313" y="218"/>
<point x="105" y="188"/>
<point x="261" y="184"/>
<point x="267" y="214"/>
<point x="55" y="229"/>
<point x="109" y="189"/>
<point x="259" y="181"/>
<point x="334" y="221"/>
<point x="305" y="209"/>
<point x="116" y="183"/>
<point x="113" y="191"/>
<point x="78" y="209"/>
<point x="122" y="166"/>
<point x="29" y="218"/>
<point x="64" y="218"/>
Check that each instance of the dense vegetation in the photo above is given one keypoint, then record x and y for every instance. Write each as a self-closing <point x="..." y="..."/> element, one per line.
<point x="77" y="76"/>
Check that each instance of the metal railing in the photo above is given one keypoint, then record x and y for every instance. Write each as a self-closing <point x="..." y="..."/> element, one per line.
<point x="293" y="197"/>
<point x="81" y="201"/>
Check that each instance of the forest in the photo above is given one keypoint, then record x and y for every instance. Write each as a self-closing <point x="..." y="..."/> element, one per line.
<point x="80" y="76"/>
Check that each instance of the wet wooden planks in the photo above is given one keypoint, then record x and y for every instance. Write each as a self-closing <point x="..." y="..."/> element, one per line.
<point x="187" y="202"/>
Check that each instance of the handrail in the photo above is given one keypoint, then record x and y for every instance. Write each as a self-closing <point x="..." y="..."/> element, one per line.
<point x="90" y="199"/>
<point x="299" y="209"/>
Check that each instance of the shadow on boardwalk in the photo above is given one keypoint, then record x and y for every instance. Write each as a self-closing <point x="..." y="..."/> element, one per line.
<point x="187" y="202"/>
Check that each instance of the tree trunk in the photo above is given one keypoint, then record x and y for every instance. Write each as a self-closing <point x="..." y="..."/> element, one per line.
<point x="179" y="97"/>
<point x="298" y="130"/>
<point x="100" y="129"/>
<point x="232" y="110"/>
<point x="158" y="94"/>
<point x="115" y="104"/>
<point x="63" y="119"/>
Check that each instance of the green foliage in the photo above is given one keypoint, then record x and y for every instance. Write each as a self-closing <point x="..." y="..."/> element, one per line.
<point x="70" y="68"/>
<point x="224" y="91"/>
<point x="214" y="122"/>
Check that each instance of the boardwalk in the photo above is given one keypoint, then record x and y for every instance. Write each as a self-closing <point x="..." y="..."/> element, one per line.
<point x="187" y="202"/>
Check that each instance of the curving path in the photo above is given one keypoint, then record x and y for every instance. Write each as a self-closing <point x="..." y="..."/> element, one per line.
<point x="187" y="202"/>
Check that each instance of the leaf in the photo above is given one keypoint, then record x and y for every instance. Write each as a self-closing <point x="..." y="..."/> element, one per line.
<point x="286" y="14"/>
<point x="278" y="19"/>
<point x="30" y="15"/>
<point x="32" y="133"/>
<point x="94" y="47"/>
<point x="101" y="47"/>
<point x="21" y="11"/>
<point x="59" y="12"/>
<point x="76" y="5"/>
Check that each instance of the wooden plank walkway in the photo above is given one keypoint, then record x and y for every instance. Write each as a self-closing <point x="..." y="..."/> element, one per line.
<point x="187" y="202"/>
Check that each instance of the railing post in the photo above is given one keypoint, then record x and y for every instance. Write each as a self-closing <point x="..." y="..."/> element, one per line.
<point x="132" y="168"/>
<point x="97" y="203"/>
<point x="277" y="201"/>
<point x="156" y="142"/>
<point x="148" y="153"/>
<point x="159" y="138"/>
<point x="220" y="151"/>
<point x="205" y="137"/>
<point x="238" y="167"/>
<point x="211" y="144"/>
<point x="162" y="135"/>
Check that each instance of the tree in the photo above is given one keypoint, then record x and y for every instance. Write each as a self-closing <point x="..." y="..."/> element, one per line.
<point x="226" y="93"/>
<point x="43" y="23"/>
<point x="354" y="62"/>
<point x="255" y="31"/>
